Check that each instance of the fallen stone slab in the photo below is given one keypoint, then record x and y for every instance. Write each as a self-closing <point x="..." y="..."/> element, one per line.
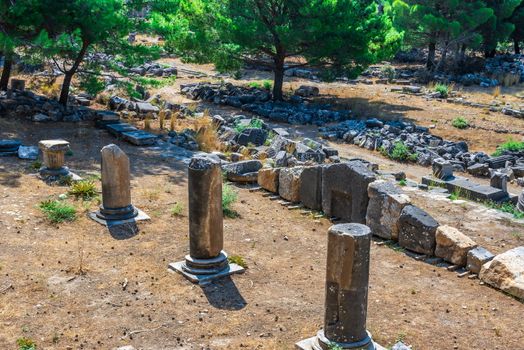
<point x="104" y="118"/>
<point x="452" y="245"/>
<point x="386" y="202"/>
<point x="468" y="189"/>
<point x="140" y="138"/>
<point x="289" y="184"/>
<point x="9" y="147"/>
<point x="146" y="107"/>
<point x="311" y="187"/>
<point x="245" y="171"/>
<point x="477" y="257"/>
<point x="417" y="230"/>
<point x="118" y="128"/>
<point x="506" y="272"/>
<point x="268" y="179"/>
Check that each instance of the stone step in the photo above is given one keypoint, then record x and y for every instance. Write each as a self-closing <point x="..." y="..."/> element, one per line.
<point x="140" y="138"/>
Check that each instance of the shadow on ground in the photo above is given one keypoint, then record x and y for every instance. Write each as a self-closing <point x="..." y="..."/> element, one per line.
<point x="223" y="294"/>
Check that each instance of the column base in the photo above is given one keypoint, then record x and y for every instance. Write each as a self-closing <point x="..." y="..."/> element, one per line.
<point x="113" y="219"/>
<point x="51" y="175"/>
<point x="203" y="271"/>
<point x="124" y="213"/>
<point x="320" y="342"/>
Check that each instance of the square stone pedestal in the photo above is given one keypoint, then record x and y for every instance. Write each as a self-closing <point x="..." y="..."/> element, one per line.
<point x="110" y="223"/>
<point x="312" y="344"/>
<point x="203" y="279"/>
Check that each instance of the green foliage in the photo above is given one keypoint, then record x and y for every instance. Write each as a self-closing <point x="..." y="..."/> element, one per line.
<point x="460" y="123"/>
<point x="403" y="182"/>
<point x="25" y="344"/>
<point x="499" y="26"/>
<point x="229" y="197"/>
<point x="255" y="123"/>
<point x="177" y="209"/>
<point x="400" y="152"/>
<point x="57" y="211"/>
<point x="237" y="259"/>
<point x="268" y="85"/>
<point x="92" y="84"/>
<point x="340" y="35"/>
<point x="443" y="90"/>
<point x="84" y="189"/>
<point x="511" y="146"/>
<point x="506" y="207"/>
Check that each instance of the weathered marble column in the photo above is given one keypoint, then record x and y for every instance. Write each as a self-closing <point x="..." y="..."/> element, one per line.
<point x="116" y="185"/>
<point x="347" y="278"/>
<point x="54" y="157"/>
<point x="206" y="259"/>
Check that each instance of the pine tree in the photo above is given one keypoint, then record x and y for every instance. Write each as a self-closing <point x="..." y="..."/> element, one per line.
<point x="517" y="19"/>
<point x="336" y="35"/>
<point x="499" y="26"/>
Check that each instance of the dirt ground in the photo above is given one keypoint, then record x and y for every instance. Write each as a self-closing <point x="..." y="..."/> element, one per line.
<point x="80" y="286"/>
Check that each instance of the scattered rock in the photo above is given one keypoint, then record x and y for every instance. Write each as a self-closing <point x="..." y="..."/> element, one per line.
<point x="452" y="245"/>
<point x="506" y="272"/>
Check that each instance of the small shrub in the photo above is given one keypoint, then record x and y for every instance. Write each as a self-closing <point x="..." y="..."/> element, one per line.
<point x="237" y="259"/>
<point x="460" y="123"/>
<point x="268" y="85"/>
<point x="177" y="209"/>
<point x="400" y="152"/>
<point x="443" y="90"/>
<point x="229" y="196"/>
<point x="206" y="133"/>
<point x="254" y="85"/>
<point x="57" y="211"/>
<point x="389" y="72"/>
<point x="403" y="183"/>
<point x="510" y="146"/>
<point x="25" y="344"/>
<point x="84" y="189"/>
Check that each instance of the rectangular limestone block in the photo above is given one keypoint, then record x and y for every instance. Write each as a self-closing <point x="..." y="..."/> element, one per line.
<point x="506" y="272"/>
<point x="268" y="179"/>
<point x="345" y="190"/>
<point x="417" y="230"/>
<point x="452" y="245"/>
<point x="386" y="202"/>
<point x="311" y="187"/>
<point x="289" y="184"/>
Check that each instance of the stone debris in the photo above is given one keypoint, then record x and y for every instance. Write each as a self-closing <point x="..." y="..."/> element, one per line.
<point x="289" y="183"/>
<point x="268" y="179"/>
<point x="477" y="257"/>
<point x="417" y="230"/>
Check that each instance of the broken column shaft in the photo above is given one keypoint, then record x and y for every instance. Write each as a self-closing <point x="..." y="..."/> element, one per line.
<point x="347" y="278"/>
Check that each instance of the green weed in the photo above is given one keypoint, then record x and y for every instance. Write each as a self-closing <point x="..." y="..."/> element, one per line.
<point x="443" y="90"/>
<point x="229" y="196"/>
<point x="400" y="152"/>
<point x="84" y="189"/>
<point x="177" y="209"/>
<point x="506" y="207"/>
<point x="460" y="123"/>
<point x="57" y="211"/>
<point x="25" y="344"/>
<point x="511" y="146"/>
<point x="237" y="259"/>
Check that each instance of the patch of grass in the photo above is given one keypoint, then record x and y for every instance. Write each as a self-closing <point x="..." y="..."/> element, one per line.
<point x="443" y="90"/>
<point x="255" y="123"/>
<point x="36" y="165"/>
<point x="207" y="133"/>
<point x="229" y="196"/>
<point x="403" y="182"/>
<point x="506" y="207"/>
<point x="57" y="211"/>
<point x="237" y="259"/>
<point x="177" y="209"/>
<point x="460" y="123"/>
<point x="268" y="85"/>
<point x="25" y="344"/>
<point x="510" y="146"/>
<point x="84" y="189"/>
<point x="400" y="152"/>
<point x="255" y="85"/>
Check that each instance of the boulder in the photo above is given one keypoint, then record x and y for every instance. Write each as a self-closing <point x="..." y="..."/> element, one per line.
<point x="417" y="230"/>
<point x="146" y="107"/>
<point x="506" y="272"/>
<point x="442" y="169"/>
<point x="245" y="171"/>
<point x="452" y="245"/>
<point x="307" y="91"/>
<point x="289" y="184"/>
<point x="255" y="136"/>
<point x="268" y="179"/>
<point x="477" y="257"/>
<point x="386" y="202"/>
<point x="478" y="169"/>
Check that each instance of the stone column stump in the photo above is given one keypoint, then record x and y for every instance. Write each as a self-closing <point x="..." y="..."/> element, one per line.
<point x="347" y="278"/>
<point x="206" y="260"/>
<point x="53" y="152"/>
<point x="116" y="189"/>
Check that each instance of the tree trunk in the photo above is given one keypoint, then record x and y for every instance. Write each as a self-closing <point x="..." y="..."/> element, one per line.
<point x="279" y="78"/>
<point x="517" y="46"/>
<point x="6" y="73"/>
<point x="66" y="85"/>
<point x="430" y="64"/>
